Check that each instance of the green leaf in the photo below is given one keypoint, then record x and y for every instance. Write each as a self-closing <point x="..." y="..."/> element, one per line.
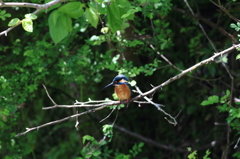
<point x="233" y="25"/>
<point x="97" y="153"/>
<point x="210" y="100"/>
<point x="57" y="30"/>
<point x="28" y="53"/>
<point x="206" y="155"/>
<point x="72" y="9"/>
<point x="133" y="83"/>
<point x="27" y="25"/>
<point x="192" y="155"/>
<point x="91" y="17"/>
<point x="223" y="108"/>
<point x="131" y="12"/>
<point x="225" y="96"/>
<point x="66" y="21"/>
<point x="6" y="112"/>
<point x="13" y="22"/>
<point x="104" y="30"/>
<point x="31" y="16"/>
<point x="3" y="18"/>
<point x="141" y="144"/>
<point x="99" y="8"/>
<point x="114" y="17"/>
<point x="3" y="12"/>
<point x="7" y="15"/>
<point x="55" y="16"/>
<point x="87" y="137"/>
<point x="238" y="57"/>
<point x="99" y="1"/>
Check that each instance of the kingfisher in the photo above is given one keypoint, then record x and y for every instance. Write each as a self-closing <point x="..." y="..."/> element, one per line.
<point x="122" y="88"/>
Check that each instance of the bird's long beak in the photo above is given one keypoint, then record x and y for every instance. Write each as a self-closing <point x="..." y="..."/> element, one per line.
<point x="110" y="84"/>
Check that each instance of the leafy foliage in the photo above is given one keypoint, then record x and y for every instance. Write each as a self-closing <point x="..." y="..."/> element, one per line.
<point x="193" y="154"/>
<point x="75" y="48"/>
<point x="4" y="15"/>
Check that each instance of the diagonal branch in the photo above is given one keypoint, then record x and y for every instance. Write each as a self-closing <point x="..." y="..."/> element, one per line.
<point x="201" y="27"/>
<point x="61" y="120"/>
<point x="220" y="29"/>
<point x="225" y="10"/>
<point x="105" y="103"/>
<point x="201" y="63"/>
<point x="39" y="8"/>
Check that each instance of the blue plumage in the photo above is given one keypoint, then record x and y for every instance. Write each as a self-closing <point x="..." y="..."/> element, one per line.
<point x="122" y="87"/>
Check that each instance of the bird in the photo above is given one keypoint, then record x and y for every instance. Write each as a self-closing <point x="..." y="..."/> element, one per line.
<point x="122" y="88"/>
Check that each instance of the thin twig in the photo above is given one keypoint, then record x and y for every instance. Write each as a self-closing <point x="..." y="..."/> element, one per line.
<point x="236" y="145"/>
<point x="207" y="21"/>
<point x="108" y="114"/>
<point x="224" y="9"/>
<point x="61" y="120"/>
<point x="201" y="27"/>
<point x="166" y="59"/>
<point x="77" y="122"/>
<point x="201" y="63"/>
<point x="158" y="107"/>
<point x="141" y="95"/>
<point x="49" y="95"/>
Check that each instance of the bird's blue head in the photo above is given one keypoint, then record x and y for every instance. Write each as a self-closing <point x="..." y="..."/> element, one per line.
<point x="119" y="79"/>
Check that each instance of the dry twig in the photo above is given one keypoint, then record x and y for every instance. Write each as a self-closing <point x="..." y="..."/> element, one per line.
<point x="104" y="103"/>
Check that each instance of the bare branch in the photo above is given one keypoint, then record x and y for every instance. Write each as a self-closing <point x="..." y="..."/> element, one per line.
<point x="158" y="107"/>
<point x="39" y="8"/>
<point x="201" y="27"/>
<point x="162" y="56"/>
<point x="237" y="143"/>
<point x="84" y="104"/>
<point x="201" y="63"/>
<point x="19" y="4"/>
<point x="61" y="120"/>
<point x="49" y="95"/>
<point x="148" y="140"/>
<point x="220" y="29"/>
<point x="109" y="114"/>
<point x="105" y="103"/>
<point x="225" y="10"/>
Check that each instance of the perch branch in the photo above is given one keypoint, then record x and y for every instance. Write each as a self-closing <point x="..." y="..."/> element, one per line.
<point x="201" y="63"/>
<point x="158" y="107"/>
<point x="61" y="120"/>
<point x="104" y="103"/>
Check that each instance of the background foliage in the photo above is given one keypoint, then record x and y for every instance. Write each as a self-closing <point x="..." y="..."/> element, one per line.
<point x="75" y="48"/>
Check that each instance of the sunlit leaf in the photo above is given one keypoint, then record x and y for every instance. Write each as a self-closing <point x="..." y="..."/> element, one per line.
<point x="238" y="56"/>
<point x="27" y="25"/>
<point x="14" y="22"/>
<point x="91" y="17"/>
<point x="31" y="16"/>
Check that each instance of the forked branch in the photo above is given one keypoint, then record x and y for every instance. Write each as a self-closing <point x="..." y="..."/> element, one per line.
<point x="99" y="105"/>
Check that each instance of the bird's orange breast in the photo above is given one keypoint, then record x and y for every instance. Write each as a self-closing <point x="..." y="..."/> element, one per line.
<point x="123" y="92"/>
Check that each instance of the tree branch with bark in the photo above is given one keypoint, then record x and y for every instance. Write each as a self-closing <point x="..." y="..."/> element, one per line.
<point x="99" y="105"/>
<point x="38" y="7"/>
